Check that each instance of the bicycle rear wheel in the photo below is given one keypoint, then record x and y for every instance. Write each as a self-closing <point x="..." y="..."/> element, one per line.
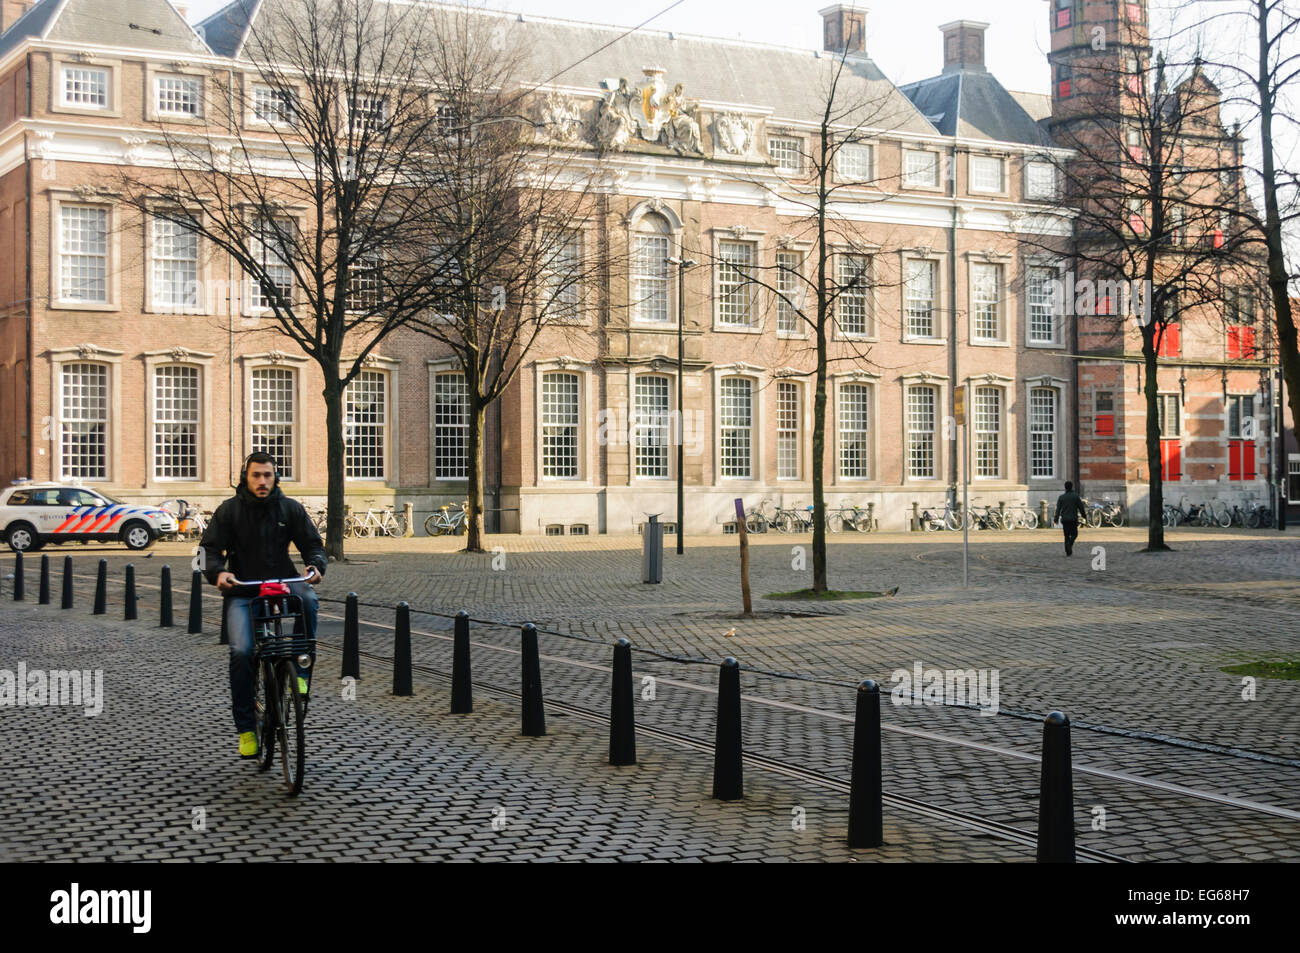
<point x="264" y="703"/>
<point x="1223" y="518"/>
<point x="397" y="525"/>
<point x="293" y="754"/>
<point x="834" y="521"/>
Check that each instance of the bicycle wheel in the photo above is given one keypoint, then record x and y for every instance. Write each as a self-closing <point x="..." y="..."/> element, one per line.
<point x="396" y="525"/>
<point x="862" y="523"/>
<point x="834" y="521"/>
<point x="1006" y="521"/>
<point x="1030" y="519"/>
<point x="951" y="521"/>
<point x="293" y="754"/>
<point x="1223" y="518"/>
<point x="264" y="703"/>
<point x="1094" y="518"/>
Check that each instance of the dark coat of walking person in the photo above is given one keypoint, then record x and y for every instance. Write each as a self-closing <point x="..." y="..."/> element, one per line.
<point x="1069" y="510"/>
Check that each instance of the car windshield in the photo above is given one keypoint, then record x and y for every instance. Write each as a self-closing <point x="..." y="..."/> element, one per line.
<point x="108" y="499"/>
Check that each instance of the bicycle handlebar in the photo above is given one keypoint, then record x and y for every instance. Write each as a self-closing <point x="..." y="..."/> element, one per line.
<point x="258" y="582"/>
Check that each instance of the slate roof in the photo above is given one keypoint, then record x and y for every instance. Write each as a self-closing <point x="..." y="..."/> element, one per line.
<point x="972" y="104"/>
<point x="134" y="24"/>
<point x="790" y="82"/>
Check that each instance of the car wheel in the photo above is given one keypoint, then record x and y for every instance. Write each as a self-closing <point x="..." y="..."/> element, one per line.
<point x="137" y="536"/>
<point x="23" y="538"/>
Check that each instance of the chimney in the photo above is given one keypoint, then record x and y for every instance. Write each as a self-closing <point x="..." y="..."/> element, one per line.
<point x="11" y="10"/>
<point x="845" y="28"/>
<point x="963" y="45"/>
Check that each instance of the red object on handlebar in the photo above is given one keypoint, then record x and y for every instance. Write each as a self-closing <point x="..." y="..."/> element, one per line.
<point x="273" y="589"/>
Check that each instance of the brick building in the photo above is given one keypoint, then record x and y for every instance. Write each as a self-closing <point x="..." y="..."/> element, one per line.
<point x="103" y="380"/>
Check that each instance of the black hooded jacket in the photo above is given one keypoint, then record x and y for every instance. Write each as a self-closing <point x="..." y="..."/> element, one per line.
<point x="250" y="537"/>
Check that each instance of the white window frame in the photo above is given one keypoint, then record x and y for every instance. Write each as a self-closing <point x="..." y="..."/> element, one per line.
<point x="441" y="461"/>
<point x="283" y="102"/>
<point x="566" y="305"/>
<point x="780" y="157"/>
<point x="790" y="283"/>
<point x="1057" y="390"/>
<point x="253" y="296"/>
<point x="155" y="302"/>
<point x="1054" y="268"/>
<point x="976" y="392"/>
<point x="65" y="421"/>
<point x="861" y="389"/>
<point x="586" y="375"/>
<point x="936" y="335"/>
<point x="161" y="417"/>
<point x="156" y="82"/>
<point x="296" y="370"/>
<point x="744" y="285"/>
<point x="866" y="159"/>
<point x="362" y="122"/>
<point x="60" y="64"/>
<point x="385" y="427"/>
<point x="979" y="164"/>
<point x="937" y="443"/>
<point x="659" y="224"/>
<point x="1000" y="272"/>
<point x="911" y="174"/>
<point x="784" y="432"/>
<point x="59" y="202"/>
<point x="1035" y="171"/>
<point x="866" y="293"/>
<point x="659" y="431"/>
<point x="751" y="429"/>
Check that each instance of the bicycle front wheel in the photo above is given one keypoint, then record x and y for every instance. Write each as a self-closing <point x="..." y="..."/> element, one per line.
<point x="1029" y="520"/>
<point x="293" y="754"/>
<point x="264" y="704"/>
<point x="397" y="525"/>
<point x="1224" y="518"/>
<point x="834" y="522"/>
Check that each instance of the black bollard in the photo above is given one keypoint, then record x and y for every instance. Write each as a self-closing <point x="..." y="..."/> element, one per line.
<point x="351" y="639"/>
<point x="866" y="825"/>
<point x="1056" y="794"/>
<point x="101" y="588"/>
<point x="18" y="577"/>
<point x="622" y="719"/>
<point x="165" y="603"/>
<point x="129" y="612"/>
<point x="67" y="583"/>
<point x="462" y="691"/>
<point x="402" y="652"/>
<point x="196" y="603"/>
<point x="44" y="598"/>
<point x="534" y="714"/>
<point x="728" y="772"/>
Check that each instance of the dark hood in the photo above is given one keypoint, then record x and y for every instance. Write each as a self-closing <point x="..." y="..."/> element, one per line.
<point x="249" y="498"/>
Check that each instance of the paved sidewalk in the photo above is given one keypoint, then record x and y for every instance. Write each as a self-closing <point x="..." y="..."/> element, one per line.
<point x="155" y="775"/>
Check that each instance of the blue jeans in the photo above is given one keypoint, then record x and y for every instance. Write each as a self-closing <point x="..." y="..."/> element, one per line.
<point x="239" y="628"/>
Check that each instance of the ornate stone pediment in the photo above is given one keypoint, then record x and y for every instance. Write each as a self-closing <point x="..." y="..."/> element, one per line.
<point x="561" y="119"/>
<point x="648" y="112"/>
<point x="86" y="350"/>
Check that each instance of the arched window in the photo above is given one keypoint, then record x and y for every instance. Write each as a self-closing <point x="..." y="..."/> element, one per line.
<point x="649" y="292"/>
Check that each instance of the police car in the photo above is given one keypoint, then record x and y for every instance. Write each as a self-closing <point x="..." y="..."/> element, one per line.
<point x="33" y="514"/>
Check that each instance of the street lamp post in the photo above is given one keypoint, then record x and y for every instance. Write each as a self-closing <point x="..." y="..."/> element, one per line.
<point x="682" y="264"/>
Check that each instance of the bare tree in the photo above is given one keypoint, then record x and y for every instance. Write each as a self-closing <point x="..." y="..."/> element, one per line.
<point x="503" y="205"/>
<point x="1156" y="229"/>
<point x="306" y="173"/>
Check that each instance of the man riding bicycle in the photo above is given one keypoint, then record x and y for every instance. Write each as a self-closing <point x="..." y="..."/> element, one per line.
<point x="249" y="538"/>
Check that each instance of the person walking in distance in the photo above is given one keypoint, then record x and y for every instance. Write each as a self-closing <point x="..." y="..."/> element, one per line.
<point x="1069" y="510"/>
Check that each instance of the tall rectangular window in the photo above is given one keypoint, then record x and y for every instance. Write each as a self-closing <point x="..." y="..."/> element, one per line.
<point x="786" y="153"/>
<point x="178" y="95"/>
<point x="853" y="309"/>
<point x="988" y="432"/>
<point x="269" y="246"/>
<point x="1042" y="432"/>
<point x="921" y="401"/>
<point x="175" y="265"/>
<point x="789" y="286"/>
<point x="561" y="292"/>
<point x="1042" y="319"/>
<point x="787" y="431"/>
<point x="652" y="418"/>
<point x="920" y="169"/>
<point x="986" y="302"/>
<point x="84" y="421"/>
<point x="736" y="427"/>
<point x="364" y="423"/>
<point x="920" y="298"/>
<point x="855" y="431"/>
<point x="985" y="174"/>
<point x="368" y="115"/>
<point x="86" y="88"/>
<point x="650" y="279"/>
<point x="1167" y="405"/>
<point x="735" y="286"/>
<point x="450" y="426"/>
<point x="176" y="422"/>
<point x="560" y="426"/>
<point x="83" y="254"/>
<point x="1293" y="475"/>
<point x="273" y="416"/>
<point x="1169" y="408"/>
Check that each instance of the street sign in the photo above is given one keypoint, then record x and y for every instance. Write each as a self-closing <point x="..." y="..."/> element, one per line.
<point x="959" y="408"/>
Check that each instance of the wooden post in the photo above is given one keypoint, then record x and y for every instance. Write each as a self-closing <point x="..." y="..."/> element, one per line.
<point x="744" y="556"/>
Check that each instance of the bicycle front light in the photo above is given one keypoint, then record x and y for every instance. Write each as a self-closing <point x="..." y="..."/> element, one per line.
<point x="304" y="661"/>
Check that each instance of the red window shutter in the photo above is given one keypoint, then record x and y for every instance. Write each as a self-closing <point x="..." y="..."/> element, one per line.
<point x="1063" y="89"/>
<point x="1062" y="21"/>
<point x="1104" y="425"/>
<point x="1248" y="460"/>
<point x="1135" y="222"/>
<point x="1234" y="459"/>
<point x="1135" y="12"/>
<point x="1171" y="459"/>
<point x="1173" y="344"/>
<point x="1218" y="238"/>
<point x="1248" y="344"/>
<point x="1234" y="343"/>
<point x="1134" y="85"/>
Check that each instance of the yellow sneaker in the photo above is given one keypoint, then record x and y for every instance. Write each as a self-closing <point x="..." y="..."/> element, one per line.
<point x="302" y="686"/>
<point x="248" y="744"/>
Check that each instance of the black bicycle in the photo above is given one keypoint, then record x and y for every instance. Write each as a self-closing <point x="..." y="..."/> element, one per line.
<point x="280" y="640"/>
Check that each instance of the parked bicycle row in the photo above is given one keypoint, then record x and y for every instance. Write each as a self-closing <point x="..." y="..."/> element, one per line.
<point x="1248" y="513"/>
<point x="799" y="518"/>
<point x="449" y="519"/>
<point x="981" y="517"/>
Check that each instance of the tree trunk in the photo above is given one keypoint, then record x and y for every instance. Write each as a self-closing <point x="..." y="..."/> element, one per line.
<point x="818" y="455"/>
<point x="334" y="441"/>
<point x="474" y="477"/>
<point x="1155" y="471"/>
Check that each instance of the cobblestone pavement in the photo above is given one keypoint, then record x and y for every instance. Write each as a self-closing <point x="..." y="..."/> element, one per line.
<point x="388" y="778"/>
<point x="1137" y="646"/>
